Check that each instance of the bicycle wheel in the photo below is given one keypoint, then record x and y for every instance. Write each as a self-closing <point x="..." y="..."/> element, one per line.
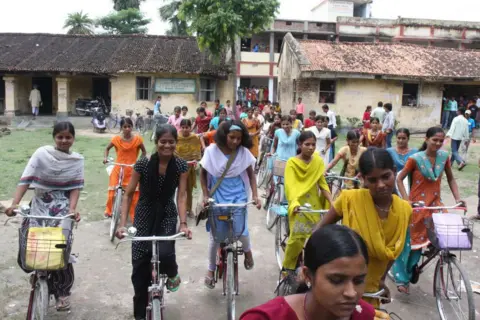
<point x="275" y="201"/>
<point x="117" y="203"/>
<point x="153" y="132"/>
<point x="230" y="287"/>
<point x="140" y="125"/>
<point x="336" y="188"/>
<point x="452" y="290"/>
<point x="262" y="173"/>
<point x="281" y="237"/>
<point x="287" y="286"/>
<point x="39" y="305"/>
<point x="113" y="124"/>
<point x="157" y="312"/>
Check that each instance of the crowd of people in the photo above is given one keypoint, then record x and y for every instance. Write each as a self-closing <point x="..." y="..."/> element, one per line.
<point x="379" y="232"/>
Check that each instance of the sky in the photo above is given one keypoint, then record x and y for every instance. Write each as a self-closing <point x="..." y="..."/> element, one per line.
<point x="48" y="16"/>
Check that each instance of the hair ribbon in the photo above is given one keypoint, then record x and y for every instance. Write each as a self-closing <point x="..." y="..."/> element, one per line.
<point x="234" y="127"/>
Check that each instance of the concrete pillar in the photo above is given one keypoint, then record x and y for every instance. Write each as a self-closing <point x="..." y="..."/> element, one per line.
<point x="272" y="47"/>
<point x="11" y="103"/>
<point x="270" y="89"/>
<point x="236" y="88"/>
<point x="63" y="94"/>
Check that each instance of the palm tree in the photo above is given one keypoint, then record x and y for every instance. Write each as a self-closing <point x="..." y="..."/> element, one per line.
<point x="79" y="23"/>
<point x="119" y="5"/>
<point x="168" y="12"/>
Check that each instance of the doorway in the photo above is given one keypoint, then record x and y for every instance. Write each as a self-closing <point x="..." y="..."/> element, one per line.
<point x="101" y="88"/>
<point x="44" y="85"/>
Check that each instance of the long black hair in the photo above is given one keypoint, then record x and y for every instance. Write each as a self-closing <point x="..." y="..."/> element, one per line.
<point x="224" y="129"/>
<point x="329" y="243"/>
<point x="430" y="133"/>
<point x="62" y="126"/>
<point x="126" y="120"/>
<point x="375" y="158"/>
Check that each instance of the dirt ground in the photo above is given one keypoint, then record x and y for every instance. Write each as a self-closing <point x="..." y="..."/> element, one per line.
<point x="102" y="287"/>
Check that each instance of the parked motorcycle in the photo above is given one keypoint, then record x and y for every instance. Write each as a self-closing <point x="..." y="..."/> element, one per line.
<point x="98" y="120"/>
<point x="85" y="107"/>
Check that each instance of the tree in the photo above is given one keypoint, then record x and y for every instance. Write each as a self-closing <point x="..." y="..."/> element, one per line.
<point x="169" y="13"/>
<point x="79" y="23"/>
<point x="130" y="21"/>
<point x="219" y="23"/>
<point x="120" y="5"/>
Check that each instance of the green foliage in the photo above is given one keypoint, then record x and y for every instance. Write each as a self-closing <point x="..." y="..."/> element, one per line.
<point x="339" y="120"/>
<point x="130" y="21"/>
<point x="120" y="5"/>
<point x="79" y="23"/>
<point x="169" y="13"/>
<point x="218" y="23"/>
<point x="354" y="122"/>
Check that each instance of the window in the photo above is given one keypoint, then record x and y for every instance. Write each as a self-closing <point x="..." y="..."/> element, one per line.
<point x="410" y="94"/>
<point x="144" y="88"/>
<point x="294" y="90"/>
<point x="207" y="89"/>
<point x="328" y="91"/>
<point x="319" y="24"/>
<point x="288" y="23"/>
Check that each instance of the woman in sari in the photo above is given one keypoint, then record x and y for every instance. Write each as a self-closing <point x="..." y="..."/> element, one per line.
<point x="253" y="127"/>
<point x="373" y="137"/>
<point x="56" y="175"/>
<point x="402" y="152"/>
<point x="232" y="140"/>
<point x="323" y="136"/>
<point x="189" y="148"/>
<point x="426" y="168"/>
<point x="127" y="147"/>
<point x="379" y="216"/>
<point x="350" y="154"/>
<point x="304" y="183"/>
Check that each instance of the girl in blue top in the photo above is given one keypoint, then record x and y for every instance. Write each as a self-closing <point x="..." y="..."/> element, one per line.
<point x="285" y="141"/>
<point x="214" y="123"/>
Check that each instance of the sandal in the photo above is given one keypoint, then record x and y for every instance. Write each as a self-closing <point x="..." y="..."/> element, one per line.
<point x="209" y="282"/>
<point x="403" y="289"/>
<point x="173" y="284"/>
<point x="248" y="263"/>
<point x="63" y="304"/>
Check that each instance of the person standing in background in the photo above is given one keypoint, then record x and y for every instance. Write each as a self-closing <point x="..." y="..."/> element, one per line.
<point x="453" y="111"/>
<point x="332" y="124"/>
<point x="447" y="105"/>
<point x="310" y="122"/>
<point x="473" y="107"/>
<point x="379" y="112"/>
<point x="156" y="107"/>
<point x="300" y="109"/>
<point x="230" y="113"/>
<point x="388" y="123"/>
<point x="35" y="100"/>
<point x="471" y="131"/>
<point x="478" y="207"/>
<point x="176" y="118"/>
<point x="366" y="117"/>
<point x="458" y="132"/>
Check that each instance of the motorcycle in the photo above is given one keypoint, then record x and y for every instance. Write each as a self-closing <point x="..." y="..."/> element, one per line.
<point x="85" y="107"/>
<point x="98" y="120"/>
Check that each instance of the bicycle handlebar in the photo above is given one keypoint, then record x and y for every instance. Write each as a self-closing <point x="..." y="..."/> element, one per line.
<point x="212" y="203"/>
<point x="22" y="214"/>
<point x="131" y="238"/>
<point x="119" y="164"/>
<point x="308" y="210"/>
<point x="376" y="295"/>
<point x="458" y="206"/>
<point x="341" y="178"/>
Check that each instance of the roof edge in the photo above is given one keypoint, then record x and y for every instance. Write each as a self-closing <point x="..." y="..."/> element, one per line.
<point x="64" y="35"/>
<point x="296" y="48"/>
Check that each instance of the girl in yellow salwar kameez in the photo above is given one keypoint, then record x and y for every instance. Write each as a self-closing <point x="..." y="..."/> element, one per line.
<point x="304" y="183"/>
<point x="379" y="216"/>
<point x="189" y="148"/>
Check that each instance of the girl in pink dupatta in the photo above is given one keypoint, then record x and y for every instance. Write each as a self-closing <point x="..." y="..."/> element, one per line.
<point x="232" y="139"/>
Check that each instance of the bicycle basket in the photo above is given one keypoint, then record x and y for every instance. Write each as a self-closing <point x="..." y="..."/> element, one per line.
<point x="449" y="231"/>
<point x="227" y="223"/>
<point x="45" y="249"/>
<point x="279" y="168"/>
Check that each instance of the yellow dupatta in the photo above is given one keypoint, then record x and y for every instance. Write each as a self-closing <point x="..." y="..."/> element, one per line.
<point x="302" y="183"/>
<point x="385" y="239"/>
<point x="190" y="149"/>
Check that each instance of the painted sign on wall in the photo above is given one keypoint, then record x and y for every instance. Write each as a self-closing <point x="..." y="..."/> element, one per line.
<point x="163" y="85"/>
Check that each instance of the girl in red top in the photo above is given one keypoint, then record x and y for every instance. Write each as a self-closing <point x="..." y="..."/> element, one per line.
<point x="310" y="122"/>
<point x="366" y="117"/>
<point x="335" y="267"/>
<point x="202" y="121"/>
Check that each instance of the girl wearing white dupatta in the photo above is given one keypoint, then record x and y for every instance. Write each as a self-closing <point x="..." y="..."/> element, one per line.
<point x="56" y="174"/>
<point x="232" y="139"/>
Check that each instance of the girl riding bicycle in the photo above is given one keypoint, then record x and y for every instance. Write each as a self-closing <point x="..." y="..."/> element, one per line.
<point x="304" y="183"/>
<point x="336" y="263"/>
<point x="379" y="216"/>
<point x="56" y="175"/>
<point x="232" y="140"/>
<point x="156" y="214"/>
<point x="189" y="148"/>
<point x="350" y="154"/>
<point x="127" y="147"/>
<point x="426" y="169"/>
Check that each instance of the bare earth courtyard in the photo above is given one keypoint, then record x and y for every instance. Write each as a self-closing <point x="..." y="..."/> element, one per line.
<point x="102" y="287"/>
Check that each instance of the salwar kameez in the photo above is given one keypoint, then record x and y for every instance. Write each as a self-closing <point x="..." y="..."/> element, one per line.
<point x="253" y="125"/>
<point x="190" y="149"/>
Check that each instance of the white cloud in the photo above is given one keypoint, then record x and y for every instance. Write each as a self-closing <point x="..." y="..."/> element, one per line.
<point x="49" y="15"/>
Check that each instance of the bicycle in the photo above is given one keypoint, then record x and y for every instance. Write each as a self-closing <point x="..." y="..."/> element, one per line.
<point x="139" y="123"/>
<point x="379" y="295"/>
<point x="336" y="183"/>
<point x="226" y="231"/>
<point x="113" y="122"/>
<point x="287" y="285"/>
<point x="156" y="291"/>
<point x="276" y="191"/>
<point x="158" y="119"/>
<point x="263" y="162"/>
<point x="117" y="198"/>
<point x="49" y="252"/>
<point x="444" y="237"/>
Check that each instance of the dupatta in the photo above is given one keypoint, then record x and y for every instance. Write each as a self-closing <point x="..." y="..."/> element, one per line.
<point x="425" y="166"/>
<point x="189" y="148"/>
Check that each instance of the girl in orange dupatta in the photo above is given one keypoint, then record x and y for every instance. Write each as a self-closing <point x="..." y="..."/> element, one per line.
<point x="379" y="216"/>
<point x="373" y="137"/>
<point x="127" y="147"/>
<point x="253" y="127"/>
<point x="189" y="148"/>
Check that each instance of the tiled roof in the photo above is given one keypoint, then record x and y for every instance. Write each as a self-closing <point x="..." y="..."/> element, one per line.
<point x="104" y="54"/>
<point x="387" y="59"/>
